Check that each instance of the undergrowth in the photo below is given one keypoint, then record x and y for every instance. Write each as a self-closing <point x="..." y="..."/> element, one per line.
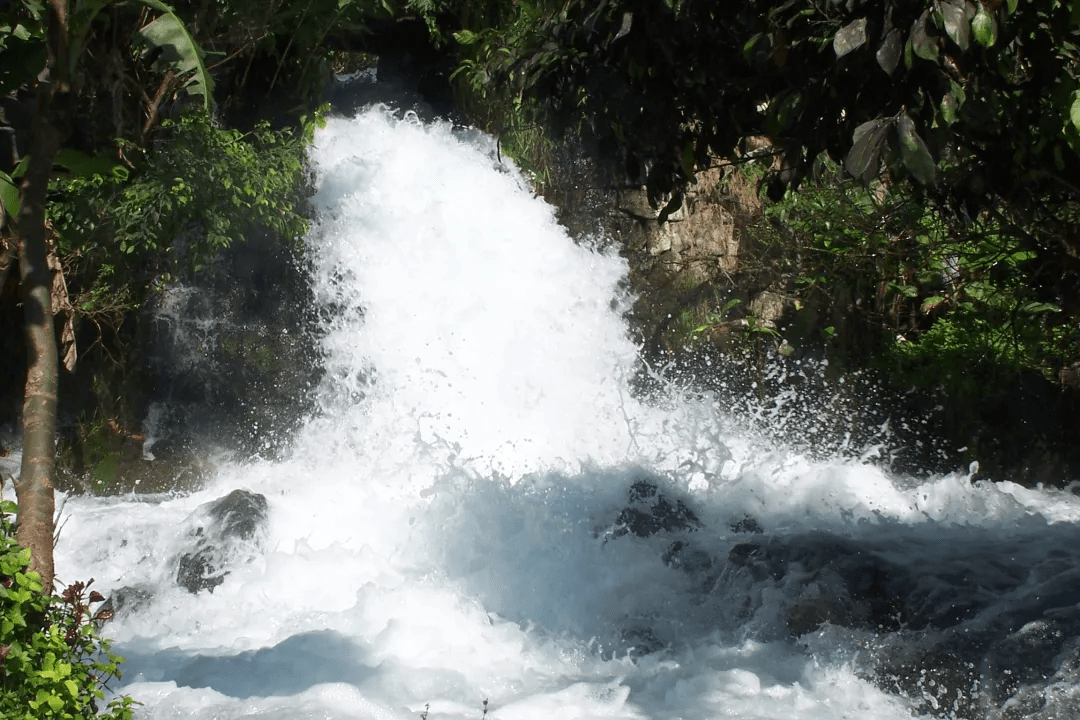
<point x="53" y="663"/>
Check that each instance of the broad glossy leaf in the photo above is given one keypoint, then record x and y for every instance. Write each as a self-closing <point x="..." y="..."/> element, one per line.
<point x="913" y="150"/>
<point x="951" y="102"/>
<point x="83" y="165"/>
<point x="751" y="44"/>
<point x="36" y="9"/>
<point x="932" y="302"/>
<point x="1011" y="5"/>
<point x="922" y="44"/>
<point x="1074" y="111"/>
<point x="9" y="197"/>
<point x="1039" y="307"/>
<point x="624" y="29"/>
<point x="864" y="159"/>
<point x="984" y="27"/>
<point x="888" y="55"/>
<point x="954" y="14"/>
<point x="849" y="38"/>
<point x="179" y="51"/>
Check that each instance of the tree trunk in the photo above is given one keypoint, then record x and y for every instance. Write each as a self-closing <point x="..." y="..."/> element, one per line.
<point x="34" y="488"/>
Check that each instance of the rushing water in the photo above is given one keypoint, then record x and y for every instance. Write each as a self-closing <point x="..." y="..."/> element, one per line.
<point x="451" y="527"/>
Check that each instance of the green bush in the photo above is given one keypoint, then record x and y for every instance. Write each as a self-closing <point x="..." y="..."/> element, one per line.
<point x="53" y="664"/>
<point x="199" y="188"/>
<point x="929" y="304"/>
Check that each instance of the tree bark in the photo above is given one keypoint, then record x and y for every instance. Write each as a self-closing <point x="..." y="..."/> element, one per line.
<point x="34" y="488"/>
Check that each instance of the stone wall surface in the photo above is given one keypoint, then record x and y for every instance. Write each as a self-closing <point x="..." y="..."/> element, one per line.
<point x="700" y="276"/>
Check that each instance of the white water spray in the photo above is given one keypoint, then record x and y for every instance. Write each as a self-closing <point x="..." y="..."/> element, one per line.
<point x="440" y="535"/>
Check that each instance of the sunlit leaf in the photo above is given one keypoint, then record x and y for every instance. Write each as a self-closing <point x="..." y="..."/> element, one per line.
<point x="908" y="291"/>
<point x="932" y="302"/>
<point x="922" y="44"/>
<point x="179" y="51"/>
<point x="849" y="38"/>
<point x="82" y="165"/>
<point x="9" y="196"/>
<point x="951" y="102"/>
<point x="984" y="27"/>
<point x="1074" y="111"/>
<point x="954" y="15"/>
<point x="1039" y="307"/>
<point x="751" y="44"/>
<point x="913" y="150"/>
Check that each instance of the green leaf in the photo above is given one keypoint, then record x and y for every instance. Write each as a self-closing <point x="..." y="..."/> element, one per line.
<point x="954" y="14"/>
<point x="1039" y="307"/>
<point x="9" y="196"/>
<point x="908" y="291"/>
<point x="913" y="150"/>
<point x="1074" y="111"/>
<point x="984" y="27"/>
<point x="922" y="44"/>
<point x="888" y="55"/>
<point x="22" y="167"/>
<point x="36" y="9"/>
<point x="864" y="159"/>
<point x="751" y="44"/>
<point x="952" y="101"/>
<point x="179" y="51"/>
<point x="82" y="165"/>
<point x="849" y="38"/>
<point x="1011" y="5"/>
<point x="932" y="302"/>
<point x="466" y="37"/>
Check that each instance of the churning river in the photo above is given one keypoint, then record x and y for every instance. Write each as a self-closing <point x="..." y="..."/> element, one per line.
<point x="483" y="517"/>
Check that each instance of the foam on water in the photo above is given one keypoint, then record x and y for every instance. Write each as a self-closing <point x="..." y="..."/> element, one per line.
<point x="437" y="536"/>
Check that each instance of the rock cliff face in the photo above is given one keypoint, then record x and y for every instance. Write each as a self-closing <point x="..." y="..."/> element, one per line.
<point x="700" y="275"/>
<point x="678" y="264"/>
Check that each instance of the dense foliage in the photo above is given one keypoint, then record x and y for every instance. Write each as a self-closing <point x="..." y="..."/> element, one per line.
<point x="53" y="664"/>
<point x="960" y="121"/>
<point x="122" y="229"/>
<point x="930" y="308"/>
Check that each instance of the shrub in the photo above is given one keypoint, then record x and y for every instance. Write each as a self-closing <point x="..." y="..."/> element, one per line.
<point x="53" y="663"/>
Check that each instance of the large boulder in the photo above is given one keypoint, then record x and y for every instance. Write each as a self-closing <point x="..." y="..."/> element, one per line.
<point x="228" y="530"/>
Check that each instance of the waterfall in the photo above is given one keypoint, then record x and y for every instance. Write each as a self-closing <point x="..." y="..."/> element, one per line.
<point x="482" y="520"/>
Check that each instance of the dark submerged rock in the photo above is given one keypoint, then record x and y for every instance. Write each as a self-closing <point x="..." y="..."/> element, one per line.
<point x="125" y="601"/>
<point x="650" y="512"/>
<point x="223" y="530"/>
